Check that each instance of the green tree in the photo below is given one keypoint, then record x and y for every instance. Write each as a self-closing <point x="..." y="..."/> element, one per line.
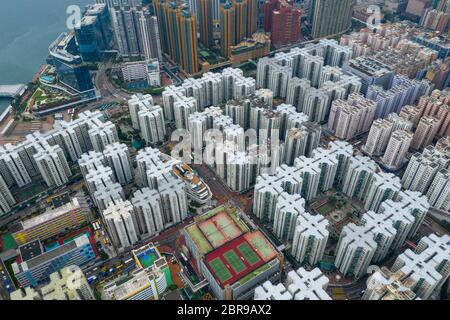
<point x="104" y="256"/>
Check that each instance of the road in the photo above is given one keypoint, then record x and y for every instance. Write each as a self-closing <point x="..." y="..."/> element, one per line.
<point x="5" y="280"/>
<point x="165" y="240"/>
<point x="37" y="204"/>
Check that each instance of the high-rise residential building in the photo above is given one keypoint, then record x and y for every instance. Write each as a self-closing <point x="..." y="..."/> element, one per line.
<point x="91" y="160"/>
<point x="382" y="186"/>
<point x="121" y="224"/>
<point x="27" y="293"/>
<point x="300" y="285"/>
<point x="439" y="191"/>
<point x="400" y="214"/>
<point x="418" y="206"/>
<point x="136" y="31"/>
<point x="355" y="250"/>
<point x="103" y="134"/>
<point x="147" y="118"/>
<point x="443" y="145"/>
<point x="205" y="18"/>
<point x="118" y="158"/>
<point x="411" y="113"/>
<point x="178" y="30"/>
<point x="287" y="210"/>
<point x="237" y="21"/>
<point x="397" y="148"/>
<point x="330" y="17"/>
<point x="425" y="132"/>
<point x="286" y="23"/>
<point x="174" y="201"/>
<point x="99" y="177"/>
<point x="357" y="178"/>
<point x="437" y="105"/>
<point x="352" y="117"/>
<point x="383" y="232"/>
<point x="227" y="28"/>
<point x="267" y="190"/>
<point x="6" y="198"/>
<point x="378" y="138"/>
<point x="147" y="205"/>
<point x="151" y="39"/>
<point x="403" y="92"/>
<point x="416" y="8"/>
<point x="52" y="165"/>
<point x="310" y="172"/>
<point x="428" y="267"/>
<point x="310" y="238"/>
<point x="423" y="167"/>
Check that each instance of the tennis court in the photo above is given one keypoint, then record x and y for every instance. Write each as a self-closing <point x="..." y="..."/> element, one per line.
<point x="234" y="261"/>
<point x="261" y="245"/>
<point x="197" y="236"/>
<point x="227" y="225"/>
<point x="248" y="254"/>
<point x="219" y="229"/>
<point x="215" y="237"/>
<point x="220" y="269"/>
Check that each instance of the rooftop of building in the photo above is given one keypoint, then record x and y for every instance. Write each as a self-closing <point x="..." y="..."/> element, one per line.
<point x="51" y="214"/>
<point x="240" y="259"/>
<point x="216" y="227"/>
<point x="54" y="253"/>
<point x="146" y="255"/>
<point x="30" y="250"/>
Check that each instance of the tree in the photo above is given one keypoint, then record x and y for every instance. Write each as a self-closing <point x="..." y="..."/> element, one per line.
<point x="104" y="256"/>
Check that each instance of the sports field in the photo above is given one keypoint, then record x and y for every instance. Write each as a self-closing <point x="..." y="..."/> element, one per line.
<point x="261" y="245"/>
<point x="147" y="259"/>
<point x="219" y="229"/>
<point x="213" y="230"/>
<point x="240" y="257"/>
<point x="220" y="269"/>
<point x="248" y="254"/>
<point x="234" y="261"/>
<point x="197" y="236"/>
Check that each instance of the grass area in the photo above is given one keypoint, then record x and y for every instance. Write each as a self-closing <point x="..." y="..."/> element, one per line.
<point x="28" y="192"/>
<point x="325" y="209"/>
<point x="220" y="269"/>
<point x="8" y="242"/>
<point x="8" y="265"/>
<point x="253" y="274"/>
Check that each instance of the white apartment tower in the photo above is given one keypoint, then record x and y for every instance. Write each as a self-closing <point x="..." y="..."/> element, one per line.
<point x="287" y="210"/>
<point x="310" y="238"/>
